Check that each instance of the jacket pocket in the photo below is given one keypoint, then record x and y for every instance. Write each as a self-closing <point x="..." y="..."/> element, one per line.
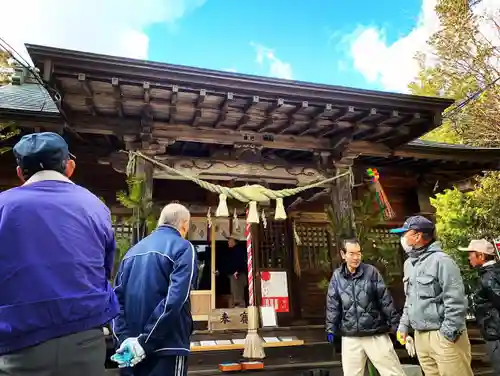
<point x="425" y="287"/>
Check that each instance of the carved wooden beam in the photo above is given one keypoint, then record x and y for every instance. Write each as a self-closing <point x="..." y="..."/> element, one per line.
<point x="228" y="170"/>
<point x="230" y="137"/>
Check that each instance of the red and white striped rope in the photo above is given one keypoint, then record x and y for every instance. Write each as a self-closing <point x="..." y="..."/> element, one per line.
<point x="248" y="234"/>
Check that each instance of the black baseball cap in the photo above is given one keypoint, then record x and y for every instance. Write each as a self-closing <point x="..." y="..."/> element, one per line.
<point x="416" y="223"/>
<point x="41" y="151"/>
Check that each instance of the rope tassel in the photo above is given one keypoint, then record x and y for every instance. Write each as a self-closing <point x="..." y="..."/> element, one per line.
<point x="222" y="210"/>
<point x="253" y="214"/>
<point x="280" y="213"/>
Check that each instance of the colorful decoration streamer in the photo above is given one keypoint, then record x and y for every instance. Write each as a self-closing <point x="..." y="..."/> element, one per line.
<point x="382" y="199"/>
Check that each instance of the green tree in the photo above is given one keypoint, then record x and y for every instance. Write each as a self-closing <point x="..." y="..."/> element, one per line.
<point x="463" y="60"/>
<point x="464" y="216"/>
<point x="5" y="64"/>
<point x="143" y="219"/>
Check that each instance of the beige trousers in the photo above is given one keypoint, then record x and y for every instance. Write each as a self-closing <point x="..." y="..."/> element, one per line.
<point x="379" y="349"/>
<point x="439" y="357"/>
<point x="238" y="290"/>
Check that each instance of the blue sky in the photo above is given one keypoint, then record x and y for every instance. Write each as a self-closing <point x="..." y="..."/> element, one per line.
<point x="359" y="43"/>
<point x="313" y="36"/>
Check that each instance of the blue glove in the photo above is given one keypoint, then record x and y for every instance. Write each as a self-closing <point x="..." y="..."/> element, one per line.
<point x="129" y="353"/>
<point x="124" y="359"/>
<point x="330" y="337"/>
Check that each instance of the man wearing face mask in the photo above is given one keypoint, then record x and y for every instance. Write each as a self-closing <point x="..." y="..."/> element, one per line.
<point x="486" y="300"/>
<point x="435" y="305"/>
<point x="153" y="285"/>
<point x="359" y="307"/>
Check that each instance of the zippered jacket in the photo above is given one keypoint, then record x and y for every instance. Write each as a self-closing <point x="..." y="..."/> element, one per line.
<point x="153" y="285"/>
<point x="359" y="304"/>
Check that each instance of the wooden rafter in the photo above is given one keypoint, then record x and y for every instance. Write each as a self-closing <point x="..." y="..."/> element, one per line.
<point x="117" y="95"/>
<point x="89" y="95"/>
<point x="248" y="107"/>
<point x="173" y="103"/>
<point x="223" y="110"/>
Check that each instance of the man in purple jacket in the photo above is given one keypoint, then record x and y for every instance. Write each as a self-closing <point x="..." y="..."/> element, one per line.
<point x="56" y="254"/>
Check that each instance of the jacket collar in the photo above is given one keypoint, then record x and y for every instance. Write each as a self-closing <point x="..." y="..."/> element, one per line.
<point x="47" y="175"/>
<point x="488" y="266"/>
<point x="357" y="274"/>
<point x="170" y="229"/>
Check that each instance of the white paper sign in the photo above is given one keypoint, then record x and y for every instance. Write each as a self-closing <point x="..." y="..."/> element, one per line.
<point x="268" y="316"/>
<point x="274" y="288"/>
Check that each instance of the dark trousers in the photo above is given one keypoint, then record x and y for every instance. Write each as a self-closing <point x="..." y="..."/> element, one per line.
<point x="159" y="366"/>
<point x="80" y="354"/>
<point x="493" y="348"/>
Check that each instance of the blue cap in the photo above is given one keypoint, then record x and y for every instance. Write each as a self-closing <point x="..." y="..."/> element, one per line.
<point x="416" y="223"/>
<point x="41" y="151"/>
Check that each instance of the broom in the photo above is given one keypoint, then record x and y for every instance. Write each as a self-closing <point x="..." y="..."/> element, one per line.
<point x="253" y="342"/>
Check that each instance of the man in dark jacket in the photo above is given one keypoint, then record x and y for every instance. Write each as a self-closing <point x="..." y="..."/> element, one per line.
<point x="486" y="300"/>
<point x="236" y="269"/>
<point x="153" y="285"/>
<point x="56" y="256"/>
<point x="359" y="307"/>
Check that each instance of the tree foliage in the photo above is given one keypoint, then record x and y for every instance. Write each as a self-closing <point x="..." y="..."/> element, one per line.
<point x="7" y="129"/>
<point x="464" y="58"/>
<point x="5" y="64"/>
<point x="465" y="216"/>
<point x="368" y="216"/>
<point x="143" y="219"/>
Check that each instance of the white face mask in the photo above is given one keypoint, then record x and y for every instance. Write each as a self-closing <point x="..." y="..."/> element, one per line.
<point x="407" y="248"/>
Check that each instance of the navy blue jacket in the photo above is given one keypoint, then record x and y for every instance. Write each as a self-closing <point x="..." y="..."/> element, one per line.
<point x="152" y="286"/>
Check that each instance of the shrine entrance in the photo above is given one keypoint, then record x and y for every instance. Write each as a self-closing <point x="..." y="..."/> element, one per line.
<point x="212" y="301"/>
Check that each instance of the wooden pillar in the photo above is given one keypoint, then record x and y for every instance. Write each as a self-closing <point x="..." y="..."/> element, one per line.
<point x="424" y="193"/>
<point x="341" y="201"/>
<point x="144" y="175"/>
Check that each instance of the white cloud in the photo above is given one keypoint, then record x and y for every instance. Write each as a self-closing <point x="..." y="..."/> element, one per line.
<point x="267" y="58"/>
<point x="232" y="70"/>
<point x="113" y="27"/>
<point x="394" y="66"/>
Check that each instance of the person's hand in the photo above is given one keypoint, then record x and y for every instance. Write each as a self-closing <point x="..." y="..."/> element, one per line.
<point x="216" y="272"/>
<point x="410" y="346"/>
<point x="401" y="337"/>
<point x="235" y="275"/>
<point x="131" y="352"/>
<point x="330" y="337"/>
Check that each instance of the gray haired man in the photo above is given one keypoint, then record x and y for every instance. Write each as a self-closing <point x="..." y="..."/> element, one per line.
<point x="436" y="305"/>
<point x="153" y="286"/>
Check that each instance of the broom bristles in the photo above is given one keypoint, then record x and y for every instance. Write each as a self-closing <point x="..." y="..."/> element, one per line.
<point x="253" y="346"/>
<point x="253" y="342"/>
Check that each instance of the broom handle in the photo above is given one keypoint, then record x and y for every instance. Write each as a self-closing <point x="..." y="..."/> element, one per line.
<point x="248" y="235"/>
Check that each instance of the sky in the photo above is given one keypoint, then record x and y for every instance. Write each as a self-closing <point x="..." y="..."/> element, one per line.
<point x="360" y="43"/>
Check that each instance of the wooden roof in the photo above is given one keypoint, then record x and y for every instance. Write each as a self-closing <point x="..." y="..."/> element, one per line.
<point x="171" y="110"/>
<point x="159" y="104"/>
